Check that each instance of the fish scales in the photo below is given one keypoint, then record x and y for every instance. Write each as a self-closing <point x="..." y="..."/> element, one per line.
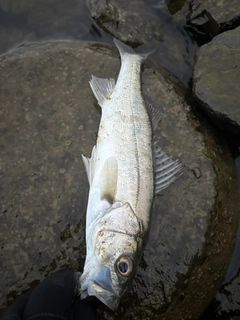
<point x="128" y="139"/>
<point x="121" y="177"/>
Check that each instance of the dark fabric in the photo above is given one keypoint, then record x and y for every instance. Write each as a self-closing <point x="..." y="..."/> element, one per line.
<point x="54" y="299"/>
<point x="15" y="311"/>
<point x="86" y="308"/>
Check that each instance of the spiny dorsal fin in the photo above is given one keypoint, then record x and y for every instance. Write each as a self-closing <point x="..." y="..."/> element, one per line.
<point x="165" y="168"/>
<point x="155" y="114"/>
<point x="102" y="88"/>
<point x="89" y="165"/>
<point x="108" y="183"/>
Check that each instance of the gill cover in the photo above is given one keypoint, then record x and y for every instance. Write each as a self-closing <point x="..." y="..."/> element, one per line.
<point x="119" y="218"/>
<point x="114" y="249"/>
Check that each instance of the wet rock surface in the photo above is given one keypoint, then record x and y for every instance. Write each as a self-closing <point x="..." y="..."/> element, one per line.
<point x="23" y="22"/>
<point x="136" y="23"/>
<point x="226" y="303"/>
<point x="216" y="79"/>
<point x="10" y="38"/>
<point x="49" y="117"/>
<point x="213" y="17"/>
<point x="15" y="7"/>
<point x="122" y="21"/>
<point x="69" y="20"/>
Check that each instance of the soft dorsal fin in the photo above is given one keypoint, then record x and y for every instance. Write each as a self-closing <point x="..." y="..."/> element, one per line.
<point x="108" y="183"/>
<point x="102" y="88"/>
<point x="165" y="168"/>
<point x="155" y="114"/>
<point x="89" y="165"/>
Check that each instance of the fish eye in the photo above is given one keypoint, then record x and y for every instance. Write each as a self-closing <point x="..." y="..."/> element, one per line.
<point x="124" y="266"/>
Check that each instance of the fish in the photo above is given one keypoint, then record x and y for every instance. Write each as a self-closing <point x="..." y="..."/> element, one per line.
<point x="126" y="170"/>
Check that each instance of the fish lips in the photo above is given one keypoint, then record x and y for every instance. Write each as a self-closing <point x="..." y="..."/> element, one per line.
<point x="101" y="286"/>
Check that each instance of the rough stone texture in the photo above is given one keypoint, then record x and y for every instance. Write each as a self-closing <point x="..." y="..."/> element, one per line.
<point x="216" y="79"/>
<point x="212" y="16"/>
<point x="226" y="302"/>
<point x="121" y="19"/>
<point x="229" y="298"/>
<point x="48" y="120"/>
<point x="174" y="5"/>
<point x="136" y="23"/>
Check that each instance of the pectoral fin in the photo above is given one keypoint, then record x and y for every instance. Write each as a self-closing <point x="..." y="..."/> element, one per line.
<point x="89" y="164"/>
<point x="102" y="88"/>
<point x="108" y="183"/>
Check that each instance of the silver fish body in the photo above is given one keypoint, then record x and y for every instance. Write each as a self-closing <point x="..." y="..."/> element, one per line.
<point x="121" y="174"/>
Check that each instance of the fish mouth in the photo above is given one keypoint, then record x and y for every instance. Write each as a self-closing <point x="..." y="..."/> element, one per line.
<point x="102" y="288"/>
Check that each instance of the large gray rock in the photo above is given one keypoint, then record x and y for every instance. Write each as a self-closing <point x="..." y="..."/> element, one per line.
<point x="136" y="23"/>
<point x="216" y="79"/>
<point x="48" y="119"/>
<point x="212" y="16"/>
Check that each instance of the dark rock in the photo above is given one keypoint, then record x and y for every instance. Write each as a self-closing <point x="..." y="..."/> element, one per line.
<point x="11" y="37"/>
<point x="213" y="17"/>
<point x="48" y="120"/>
<point x="48" y="18"/>
<point x="122" y="20"/>
<point x="21" y="22"/>
<point x="135" y="23"/>
<point x="216" y="79"/>
<point x="174" y="5"/>
<point x="15" y="7"/>
<point x="226" y="303"/>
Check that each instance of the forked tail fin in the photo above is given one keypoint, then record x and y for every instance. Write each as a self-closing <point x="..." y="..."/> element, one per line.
<point x="125" y="49"/>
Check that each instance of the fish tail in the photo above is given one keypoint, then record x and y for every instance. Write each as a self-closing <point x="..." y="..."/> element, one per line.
<point x="125" y="50"/>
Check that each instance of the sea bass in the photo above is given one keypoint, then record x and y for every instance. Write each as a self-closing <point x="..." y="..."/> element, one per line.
<point x="125" y="170"/>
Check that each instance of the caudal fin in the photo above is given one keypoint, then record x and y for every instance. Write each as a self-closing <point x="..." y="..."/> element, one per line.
<point x="125" y="49"/>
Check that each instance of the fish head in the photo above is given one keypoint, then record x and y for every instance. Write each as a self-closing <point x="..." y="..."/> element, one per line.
<point x="114" y="248"/>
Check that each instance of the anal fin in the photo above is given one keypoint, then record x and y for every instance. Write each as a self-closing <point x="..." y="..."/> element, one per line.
<point x="89" y="165"/>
